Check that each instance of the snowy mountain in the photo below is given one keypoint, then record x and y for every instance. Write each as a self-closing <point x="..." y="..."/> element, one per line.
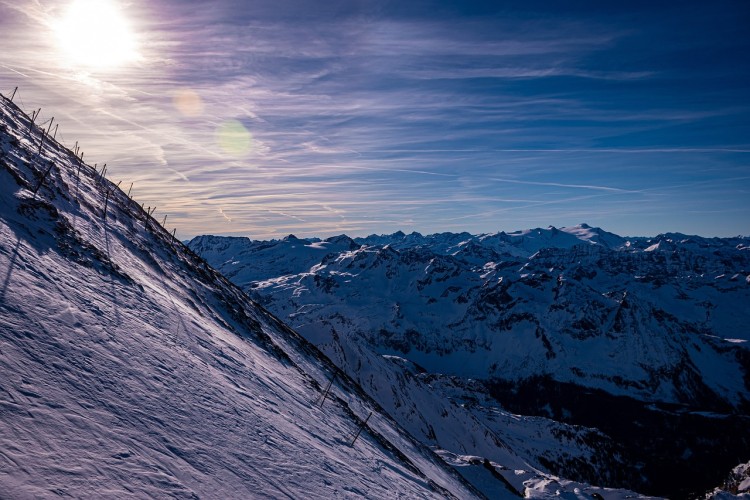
<point x="737" y="485"/>
<point x="131" y="369"/>
<point x="644" y="339"/>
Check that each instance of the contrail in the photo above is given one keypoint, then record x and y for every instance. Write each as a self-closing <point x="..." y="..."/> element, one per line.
<point x="558" y="184"/>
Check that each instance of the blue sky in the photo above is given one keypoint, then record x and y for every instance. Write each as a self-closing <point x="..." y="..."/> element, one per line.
<point x="364" y="117"/>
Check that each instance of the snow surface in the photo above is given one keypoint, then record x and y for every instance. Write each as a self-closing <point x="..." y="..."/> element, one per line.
<point x="737" y="485"/>
<point x="599" y="313"/>
<point x="414" y="319"/>
<point x="130" y="369"/>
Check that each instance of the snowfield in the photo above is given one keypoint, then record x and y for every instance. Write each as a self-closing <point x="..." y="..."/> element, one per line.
<point x="130" y="369"/>
<point x="632" y="353"/>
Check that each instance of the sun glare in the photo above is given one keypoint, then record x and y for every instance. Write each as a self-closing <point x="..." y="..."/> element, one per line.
<point x="96" y="35"/>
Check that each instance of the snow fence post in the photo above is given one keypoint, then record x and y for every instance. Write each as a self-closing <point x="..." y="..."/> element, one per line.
<point x="325" y="395"/>
<point x="34" y="114"/>
<point x="49" y="129"/>
<point x="13" y="94"/>
<point x="41" y="142"/>
<point x="106" y="202"/>
<point x="149" y="215"/>
<point x="41" y="181"/>
<point x="360" y="429"/>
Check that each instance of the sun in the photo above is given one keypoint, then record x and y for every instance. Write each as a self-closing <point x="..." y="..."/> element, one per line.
<point x="95" y="34"/>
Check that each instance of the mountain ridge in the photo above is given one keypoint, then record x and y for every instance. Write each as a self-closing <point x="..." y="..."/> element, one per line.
<point x="132" y="369"/>
<point x="648" y="326"/>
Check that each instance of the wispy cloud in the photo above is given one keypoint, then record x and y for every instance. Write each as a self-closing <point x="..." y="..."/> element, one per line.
<point x="360" y="120"/>
<point x="559" y="184"/>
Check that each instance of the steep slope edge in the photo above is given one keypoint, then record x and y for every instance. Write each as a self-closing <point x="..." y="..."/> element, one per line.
<point x="130" y="368"/>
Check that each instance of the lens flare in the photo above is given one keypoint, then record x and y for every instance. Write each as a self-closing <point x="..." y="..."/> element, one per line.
<point x="234" y="139"/>
<point x="188" y="103"/>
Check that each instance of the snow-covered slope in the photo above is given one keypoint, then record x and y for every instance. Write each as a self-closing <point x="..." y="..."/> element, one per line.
<point x="483" y="311"/>
<point x="576" y="324"/>
<point x="129" y="368"/>
<point x="252" y="260"/>
<point x="737" y="485"/>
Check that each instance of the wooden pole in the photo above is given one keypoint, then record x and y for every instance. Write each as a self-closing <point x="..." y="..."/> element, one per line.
<point x="106" y="202"/>
<point x="55" y="134"/>
<point x="164" y="222"/>
<point x="360" y="429"/>
<point x="33" y="117"/>
<point x="41" y="181"/>
<point x="325" y="395"/>
<point x="41" y="142"/>
<point x="129" y="190"/>
<point x="14" y="94"/>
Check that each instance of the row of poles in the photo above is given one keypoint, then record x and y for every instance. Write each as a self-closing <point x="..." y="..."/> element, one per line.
<point x="78" y="154"/>
<point x="149" y="212"/>
<point x="322" y="400"/>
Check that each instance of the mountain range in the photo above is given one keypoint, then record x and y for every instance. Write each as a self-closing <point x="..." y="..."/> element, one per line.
<point x="628" y="354"/>
<point x="130" y="368"/>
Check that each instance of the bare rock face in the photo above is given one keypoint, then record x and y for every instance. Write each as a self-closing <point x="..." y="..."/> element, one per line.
<point x="737" y="485"/>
